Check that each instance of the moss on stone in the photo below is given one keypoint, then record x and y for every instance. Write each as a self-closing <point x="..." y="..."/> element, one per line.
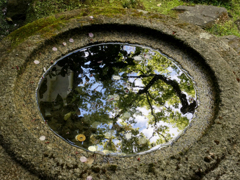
<point x="112" y="167"/>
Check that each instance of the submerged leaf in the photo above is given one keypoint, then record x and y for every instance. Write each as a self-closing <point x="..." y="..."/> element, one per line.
<point x="67" y="116"/>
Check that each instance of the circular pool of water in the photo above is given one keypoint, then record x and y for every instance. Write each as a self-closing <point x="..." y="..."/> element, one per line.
<point x="117" y="98"/>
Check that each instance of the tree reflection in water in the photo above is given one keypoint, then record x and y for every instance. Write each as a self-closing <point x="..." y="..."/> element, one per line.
<point x="123" y="98"/>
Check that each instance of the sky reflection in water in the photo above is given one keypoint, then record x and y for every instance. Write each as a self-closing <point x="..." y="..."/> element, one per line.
<point x="121" y="99"/>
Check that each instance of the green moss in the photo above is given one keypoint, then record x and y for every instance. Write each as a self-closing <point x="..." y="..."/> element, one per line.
<point x="41" y="26"/>
<point x="151" y="168"/>
<point x="96" y="169"/>
<point x="182" y="25"/>
<point x="47" y="26"/>
<point x="157" y="16"/>
<point x="224" y="29"/>
<point x="112" y="167"/>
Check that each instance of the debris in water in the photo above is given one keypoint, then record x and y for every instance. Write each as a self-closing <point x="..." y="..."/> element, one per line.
<point x="80" y="137"/>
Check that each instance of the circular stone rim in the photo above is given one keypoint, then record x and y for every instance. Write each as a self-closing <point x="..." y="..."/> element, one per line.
<point x="222" y="71"/>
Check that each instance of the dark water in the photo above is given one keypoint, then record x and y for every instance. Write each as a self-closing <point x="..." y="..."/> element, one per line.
<point x="117" y="98"/>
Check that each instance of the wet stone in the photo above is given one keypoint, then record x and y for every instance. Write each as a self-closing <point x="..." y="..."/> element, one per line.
<point x="116" y="98"/>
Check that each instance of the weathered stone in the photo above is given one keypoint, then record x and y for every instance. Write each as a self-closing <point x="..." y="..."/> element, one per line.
<point x="201" y="15"/>
<point x="232" y="41"/>
<point x="190" y="45"/>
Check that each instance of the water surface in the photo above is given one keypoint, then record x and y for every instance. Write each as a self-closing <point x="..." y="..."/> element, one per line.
<point x="117" y="98"/>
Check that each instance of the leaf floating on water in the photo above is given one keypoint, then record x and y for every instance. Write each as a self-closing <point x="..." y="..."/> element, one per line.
<point x="106" y="151"/>
<point x="42" y="138"/>
<point x="67" y="116"/>
<point x="71" y="40"/>
<point x="115" y="77"/>
<point x="93" y="139"/>
<point x="36" y="62"/>
<point x="128" y="136"/>
<point x="142" y="140"/>
<point x="90" y="35"/>
<point x="116" y="97"/>
<point x="54" y="49"/>
<point x="95" y="124"/>
<point x="110" y="98"/>
<point x="137" y="58"/>
<point x="126" y="115"/>
<point x="9" y="19"/>
<point x="92" y="148"/>
<point x="83" y="159"/>
<point x="107" y="135"/>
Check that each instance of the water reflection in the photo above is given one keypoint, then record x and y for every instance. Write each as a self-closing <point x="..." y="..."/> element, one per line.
<point x="117" y="98"/>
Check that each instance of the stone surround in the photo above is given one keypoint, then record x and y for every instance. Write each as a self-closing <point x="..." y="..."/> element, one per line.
<point x="208" y="149"/>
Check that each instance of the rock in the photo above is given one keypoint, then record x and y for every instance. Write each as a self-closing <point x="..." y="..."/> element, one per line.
<point x="202" y="15"/>
<point x="232" y="41"/>
<point x="237" y="22"/>
<point x="17" y="9"/>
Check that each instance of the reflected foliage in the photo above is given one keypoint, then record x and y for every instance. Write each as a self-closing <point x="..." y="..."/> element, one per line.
<point x="124" y="98"/>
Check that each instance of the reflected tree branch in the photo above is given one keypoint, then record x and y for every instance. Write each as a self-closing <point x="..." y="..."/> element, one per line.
<point x="151" y="109"/>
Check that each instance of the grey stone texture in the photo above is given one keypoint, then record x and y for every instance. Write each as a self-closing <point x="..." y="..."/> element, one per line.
<point x="208" y="150"/>
<point x="201" y="15"/>
<point x="232" y="41"/>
